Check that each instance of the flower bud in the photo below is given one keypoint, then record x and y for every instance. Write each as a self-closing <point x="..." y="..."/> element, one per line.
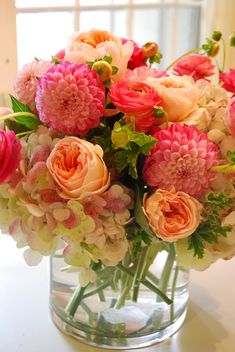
<point x="159" y="112"/>
<point x="214" y="50"/>
<point x="149" y="49"/>
<point x="120" y="138"/>
<point x="232" y="39"/>
<point x="216" y="35"/>
<point x="103" y="68"/>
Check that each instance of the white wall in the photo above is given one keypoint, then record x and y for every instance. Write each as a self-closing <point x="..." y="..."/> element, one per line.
<point x="8" y="51"/>
<point x="220" y="15"/>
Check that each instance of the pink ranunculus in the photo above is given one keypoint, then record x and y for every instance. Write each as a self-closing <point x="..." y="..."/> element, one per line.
<point x="78" y="168"/>
<point x="137" y="99"/>
<point x="172" y="215"/>
<point x="229" y="118"/>
<point x="143" y="72"/>
<point x="178" y="94"/>
<point x="60" y="55"/>
<point x="9" y="155"/>
<point x="228" y="80"/>
<point x="195" y="65"/>
<point x="137" y="58"/>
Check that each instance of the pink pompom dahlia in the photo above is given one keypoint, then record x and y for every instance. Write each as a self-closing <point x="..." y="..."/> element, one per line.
<point x="26" y="81"/>
<point x="183" y="158"/>
<point x="196" y="65"/>
<point x="70" y="98"/>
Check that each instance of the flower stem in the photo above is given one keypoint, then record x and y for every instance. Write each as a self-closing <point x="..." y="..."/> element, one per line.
<point x="120" y="303"/>
<point x="146" y="283"/>
<point x="166" y="273"/>
<point x="24" y="133"/>
<point x="173" y="293"/>
<point x="224" y="54"/>
<point x="180" y="57"/>
<point x="75" y="301"/>
<point x="97" y="290"/>
<point x="16" y="114"/>
<point x="140" y="269"/>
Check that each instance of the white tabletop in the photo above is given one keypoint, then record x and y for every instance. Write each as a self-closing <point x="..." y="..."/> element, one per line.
<point x="25" y="324"/>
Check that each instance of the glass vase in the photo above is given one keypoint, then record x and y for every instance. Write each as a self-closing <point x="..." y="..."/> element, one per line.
<point x="129" y="306"/>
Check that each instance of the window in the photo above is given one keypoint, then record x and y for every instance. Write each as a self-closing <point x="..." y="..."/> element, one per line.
<point x="43" y="26"/>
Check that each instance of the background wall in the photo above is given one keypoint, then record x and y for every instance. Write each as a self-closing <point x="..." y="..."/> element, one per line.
<point x="220" y="15"/>
<point x="8" y="49"/>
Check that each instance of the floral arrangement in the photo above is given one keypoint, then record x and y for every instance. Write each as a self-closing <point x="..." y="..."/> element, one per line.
<point x="103" y="154"/>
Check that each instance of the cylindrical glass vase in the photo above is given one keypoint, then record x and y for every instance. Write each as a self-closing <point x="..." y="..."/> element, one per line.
<point x="121" y="310"/>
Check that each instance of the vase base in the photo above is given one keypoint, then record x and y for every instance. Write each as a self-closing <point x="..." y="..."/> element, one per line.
<point x="90" y="338"/>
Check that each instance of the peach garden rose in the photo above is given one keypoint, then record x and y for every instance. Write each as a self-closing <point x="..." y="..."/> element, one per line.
<point x="78" y="168"/>
<point x="172" y="215"/>
<point x="178" y="94"/>
<point x="95" y="44"/>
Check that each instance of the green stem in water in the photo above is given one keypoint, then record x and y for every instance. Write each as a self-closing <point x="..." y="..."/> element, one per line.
<point x="172" y="312"/>
<point x="152" y="277"/>
<point x="16" y="114"/>
<point x="97" y="290"/>
<point x="120" y="303"/>
<point x="166" y="273"/>
<point x="147" y="284"/>
<point x="75" y="301"/>
<point x="140" y="269"/>
<point x="224" y="54"/>
<point x="180" y="57"/>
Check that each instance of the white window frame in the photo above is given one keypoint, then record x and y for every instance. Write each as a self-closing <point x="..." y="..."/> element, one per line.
<point x="8" y="12"/>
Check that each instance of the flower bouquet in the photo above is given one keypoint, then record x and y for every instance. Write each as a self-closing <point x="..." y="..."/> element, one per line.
<point x="124" y="175"/>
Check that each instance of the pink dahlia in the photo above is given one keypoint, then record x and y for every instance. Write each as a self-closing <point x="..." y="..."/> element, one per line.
<point x="198" y="66"/>
<point x="228" y="80"/>
<point x="137" y="99"/>
<point x="70" y="98"/>
<point x="26" y="81"/>
<point x="183" y="158"/>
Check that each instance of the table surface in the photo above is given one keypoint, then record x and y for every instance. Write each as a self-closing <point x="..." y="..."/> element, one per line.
<point x="25" y="324"/>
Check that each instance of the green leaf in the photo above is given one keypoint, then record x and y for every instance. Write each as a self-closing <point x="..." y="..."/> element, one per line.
<point x="129" y="145"/>
<point x="210" y="229"/>
<point x="108" y="59"/>
<point x="28" y="121"/>
<point x="231" y="156"/>
<point x="17" y="106"/>
<point x="140" y="217"/>
<point x="114" y="70"/>
<point x="196" y="244"/>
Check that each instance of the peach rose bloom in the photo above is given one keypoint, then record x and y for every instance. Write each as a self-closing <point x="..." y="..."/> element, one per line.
<point x="89" y="46"/>
<point x="179" y="95"/>
<point x="172" y="215"/>
<point x="78" y="168"/>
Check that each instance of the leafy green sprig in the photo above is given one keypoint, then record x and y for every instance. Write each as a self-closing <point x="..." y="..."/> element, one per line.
<point x="210" y="229"/>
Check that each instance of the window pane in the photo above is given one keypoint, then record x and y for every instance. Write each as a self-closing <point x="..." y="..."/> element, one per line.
<point x="42" y="34"/>
<point x="119" y="23"/>
<point x="149" y="1"/>
<point x="95" y="19"/>
<point x="41" y="3"/>
<point x="102" y="2"/>
<point x="146" y="25"/>
<point x="186" y="40"/>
